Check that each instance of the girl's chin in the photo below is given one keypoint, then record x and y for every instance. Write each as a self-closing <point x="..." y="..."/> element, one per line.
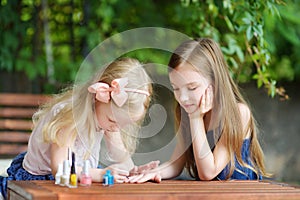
<point x="190" y="110"/>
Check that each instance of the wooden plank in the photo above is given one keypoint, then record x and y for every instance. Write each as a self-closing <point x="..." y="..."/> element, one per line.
<point x="15" y="99"/>
<point x="32" y="191"/>
<point x="14" y="195"/>
<point x="14" y="136"/>
<point x="15" y="124"/>
<point x="167" y="189"/>
<point x="12" y="149"/>
<point x="10" y="112"/>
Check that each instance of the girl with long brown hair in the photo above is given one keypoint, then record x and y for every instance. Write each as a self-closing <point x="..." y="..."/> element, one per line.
<point x="217" y="133"/>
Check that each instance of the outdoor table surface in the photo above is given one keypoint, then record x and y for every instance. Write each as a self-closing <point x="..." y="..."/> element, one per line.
<point x="166" y="190"/>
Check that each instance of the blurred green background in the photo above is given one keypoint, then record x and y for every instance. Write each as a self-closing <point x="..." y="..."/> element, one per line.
<point x="44" y="42"/>
<point x="47" y="40"/>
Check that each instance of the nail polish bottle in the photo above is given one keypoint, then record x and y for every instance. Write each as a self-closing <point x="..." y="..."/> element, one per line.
<point x="58" y="174"/>
<point x="73" y="175"/>
<point x="108" y="179"/>
<point x="85" y="177"/>
<point x="64" y="180"/>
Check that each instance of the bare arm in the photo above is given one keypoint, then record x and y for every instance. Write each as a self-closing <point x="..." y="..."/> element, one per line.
<point x="59" y="154"/>
<point x="210" y="164"/>
<point x="175" y="165"/>
<point x="117" y="152"/>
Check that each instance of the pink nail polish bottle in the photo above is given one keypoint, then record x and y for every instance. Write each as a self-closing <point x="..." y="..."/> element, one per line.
<point x="85" y="178"/>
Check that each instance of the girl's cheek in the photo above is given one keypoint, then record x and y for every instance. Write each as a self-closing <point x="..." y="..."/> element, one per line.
<point x="196" y="94"/>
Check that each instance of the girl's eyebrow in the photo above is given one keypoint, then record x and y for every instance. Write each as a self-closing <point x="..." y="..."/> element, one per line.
<point x="193" y="83"/>
<point x="188" y="84"/>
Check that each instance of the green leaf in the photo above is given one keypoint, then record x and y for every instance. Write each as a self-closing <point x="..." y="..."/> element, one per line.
<point x="249" y="33"/>
<point x="228" y="23"/>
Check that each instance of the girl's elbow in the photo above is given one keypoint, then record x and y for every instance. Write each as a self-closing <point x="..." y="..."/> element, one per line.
<point x="206" y="176"/>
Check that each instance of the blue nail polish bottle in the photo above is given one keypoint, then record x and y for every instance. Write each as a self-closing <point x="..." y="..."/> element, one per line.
<point x="108" y="178"/>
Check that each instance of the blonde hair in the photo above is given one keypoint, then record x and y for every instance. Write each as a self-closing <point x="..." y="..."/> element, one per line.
<point x="78" y="115"/>
<point x="207" y="57"/>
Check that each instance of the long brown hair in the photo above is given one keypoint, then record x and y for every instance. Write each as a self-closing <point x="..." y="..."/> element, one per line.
<point x="207" y="58"/>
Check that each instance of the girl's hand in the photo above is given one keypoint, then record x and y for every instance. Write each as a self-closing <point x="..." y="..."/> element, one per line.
<point x="148" y="176"/>
<point x="206" y="103"/>
<point x="136" y="170"/>
<point x="120" y="175"/>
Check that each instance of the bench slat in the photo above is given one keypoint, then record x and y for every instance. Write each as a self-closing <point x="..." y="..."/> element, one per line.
<point x="15" y="124"/>
<point x="12" y="149"/>
<point x="10" y="99"/>
<point x="17" y="112"/>
<point x="13" y="136"/>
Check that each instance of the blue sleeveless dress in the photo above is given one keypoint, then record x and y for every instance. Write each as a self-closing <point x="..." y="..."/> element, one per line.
<point x="240" y="172"/>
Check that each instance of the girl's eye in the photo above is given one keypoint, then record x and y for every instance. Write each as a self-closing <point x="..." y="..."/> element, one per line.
<point x="192" y="88"/>
<point x="175" y="89"/>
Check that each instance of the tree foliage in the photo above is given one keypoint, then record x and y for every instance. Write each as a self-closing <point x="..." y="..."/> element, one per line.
<point x="49" y="39"/>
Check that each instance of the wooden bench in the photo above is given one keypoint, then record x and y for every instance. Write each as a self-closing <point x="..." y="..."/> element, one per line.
<point x="16" y="112"/>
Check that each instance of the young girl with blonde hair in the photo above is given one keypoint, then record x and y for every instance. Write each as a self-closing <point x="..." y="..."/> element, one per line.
<point x="215" y="127"/>
<point x="111" y="105"/>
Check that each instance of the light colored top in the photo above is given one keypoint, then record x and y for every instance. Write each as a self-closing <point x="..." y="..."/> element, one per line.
<point x="37" y="159"/>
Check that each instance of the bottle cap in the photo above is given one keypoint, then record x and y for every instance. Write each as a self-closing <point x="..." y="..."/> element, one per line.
<point x="66" y="166"/>
<point x="73" y="164"/>
<point x="86" y="166"/>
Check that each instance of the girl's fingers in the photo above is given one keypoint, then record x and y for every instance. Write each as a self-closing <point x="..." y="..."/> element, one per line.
<point x="140" y="178"/>
<point x="120" y="179"/>
<point x="117" y="171"/>
<point x="203" y="102"/>
<point x="134" y="170"/>
<point x="145" y="177"/>
<point x="157" y="178"/>
<point x="143" y="168"/>
<point x="207" y="99"/>
<point x="134" y="179"/>
<point x="122" y="173"/>
<point x="211" y="97"/>
<point x="151" y="176"/>
<point x="153" y="164"/>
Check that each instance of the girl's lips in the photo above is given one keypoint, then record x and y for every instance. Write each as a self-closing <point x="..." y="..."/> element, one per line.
<point x="187" y="105"/>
